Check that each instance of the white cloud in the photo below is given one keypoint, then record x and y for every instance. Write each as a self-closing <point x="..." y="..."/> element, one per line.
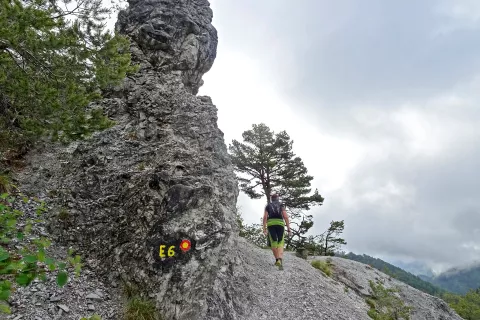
<point x="461" y="15"/>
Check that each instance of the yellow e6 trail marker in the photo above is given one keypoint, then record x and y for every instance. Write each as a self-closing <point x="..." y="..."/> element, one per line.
<point x="169" y="251"/>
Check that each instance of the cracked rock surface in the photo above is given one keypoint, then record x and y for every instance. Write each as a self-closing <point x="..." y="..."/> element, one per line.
<point x="160" y="175"/>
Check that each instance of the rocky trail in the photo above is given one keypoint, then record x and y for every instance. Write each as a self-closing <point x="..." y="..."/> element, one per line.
<point x="302" y="292"/>
<point x="297" y="292"/>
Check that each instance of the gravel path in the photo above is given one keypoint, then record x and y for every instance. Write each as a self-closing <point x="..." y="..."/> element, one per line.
<point x="297" y="292"/>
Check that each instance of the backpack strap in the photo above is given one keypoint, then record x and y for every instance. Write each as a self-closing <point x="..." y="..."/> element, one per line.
<point x="277" y="210"/>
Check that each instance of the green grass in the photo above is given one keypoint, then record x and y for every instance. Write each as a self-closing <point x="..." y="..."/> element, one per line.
<point x="141" y="309"/>
<point x="4" y="184"/>
<point x="323" y="266"/>
<point x="63" y="214"/>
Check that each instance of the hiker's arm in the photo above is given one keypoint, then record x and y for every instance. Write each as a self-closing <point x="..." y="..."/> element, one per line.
<point x="265" y="214"/>
<point x="285" y="217"/>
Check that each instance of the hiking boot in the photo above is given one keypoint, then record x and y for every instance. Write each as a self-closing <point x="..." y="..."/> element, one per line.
<point x="278" y="263"/>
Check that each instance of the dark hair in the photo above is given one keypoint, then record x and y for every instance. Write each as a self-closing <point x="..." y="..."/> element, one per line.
<point x="274" y="197"/>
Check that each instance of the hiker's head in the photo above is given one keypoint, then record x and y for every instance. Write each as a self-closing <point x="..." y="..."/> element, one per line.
<point x="274" y="197"/>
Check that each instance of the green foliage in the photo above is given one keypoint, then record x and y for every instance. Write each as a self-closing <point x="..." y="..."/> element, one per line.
<point x="325" y="244"/>
<point x="385" y="305"/>
<point x="141" y="309"/>
<point x="63" y="214"/>
<point x="467" y="306"/>
<point x="252" y="232"/>
<point x="332" y="241"/>
<point x="396" y="273"/>
<point x="301" y="252"/>
<point x="53" y="67"/>
<point x="324" y="266"/>
<point x="267" y="159"/>
<point x="4" y="184"/>
<point x="23" y="256"/>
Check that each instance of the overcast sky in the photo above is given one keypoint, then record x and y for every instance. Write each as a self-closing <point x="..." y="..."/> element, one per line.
<point x="382" y="101"/>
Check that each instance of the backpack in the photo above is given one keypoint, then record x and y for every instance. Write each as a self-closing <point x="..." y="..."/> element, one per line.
<point x="275" y="211"/>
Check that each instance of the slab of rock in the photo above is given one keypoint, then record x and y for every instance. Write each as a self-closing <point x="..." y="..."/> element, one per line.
<point x="94" y="296"/>
<point x="63" y="307"/>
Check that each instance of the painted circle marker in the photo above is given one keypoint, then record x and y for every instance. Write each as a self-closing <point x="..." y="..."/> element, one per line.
<point x="185" y="245"/>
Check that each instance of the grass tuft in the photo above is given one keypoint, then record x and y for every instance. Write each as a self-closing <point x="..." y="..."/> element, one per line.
<point x="138" y="308"/>
<point x="325" y="267"/>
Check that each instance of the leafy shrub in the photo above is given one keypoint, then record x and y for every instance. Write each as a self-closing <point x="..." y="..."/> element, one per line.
<point x="385" y="305"/>
<point x="23" y="256"/>
<point x="467" y="306"/>
<point x="323" y="266"/>
<point x="53" y="67"/>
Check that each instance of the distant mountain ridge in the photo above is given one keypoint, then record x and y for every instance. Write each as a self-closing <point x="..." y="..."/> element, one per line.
<point x="459" y="279"/>
<point x="397" y="273"/>
<point x="417" y="268"/>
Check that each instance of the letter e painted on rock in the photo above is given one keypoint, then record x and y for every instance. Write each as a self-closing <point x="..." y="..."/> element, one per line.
<point x="162" y="251"/>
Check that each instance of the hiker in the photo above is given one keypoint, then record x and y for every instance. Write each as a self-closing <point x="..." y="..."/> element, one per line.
<point x="274" y="218"/>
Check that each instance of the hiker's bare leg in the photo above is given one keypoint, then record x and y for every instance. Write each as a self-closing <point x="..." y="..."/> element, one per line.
<point x="280" y="252"/>
<point x="275" y="252"/>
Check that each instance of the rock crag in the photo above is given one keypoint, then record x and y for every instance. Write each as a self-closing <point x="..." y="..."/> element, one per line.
<point x="160" y="175"/>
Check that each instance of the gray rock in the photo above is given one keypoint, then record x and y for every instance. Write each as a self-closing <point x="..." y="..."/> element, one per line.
<point x="94" y="296"/>
<point x="55" y="299"/>
<point x="356" y="276"/>
<point x="63" y="307"/>
<point x="160" y="175"/>
<point x="91" y="307"/>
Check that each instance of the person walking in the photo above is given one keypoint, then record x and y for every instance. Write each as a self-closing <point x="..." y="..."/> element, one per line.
<point x="274" y="219"/>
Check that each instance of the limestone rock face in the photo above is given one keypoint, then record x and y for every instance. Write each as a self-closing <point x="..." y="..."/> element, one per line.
<point x="160" y="175"/>
<point x="173" y="35"/>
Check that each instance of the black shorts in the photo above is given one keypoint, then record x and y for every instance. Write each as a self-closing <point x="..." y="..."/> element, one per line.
<point x="275" y="238"/>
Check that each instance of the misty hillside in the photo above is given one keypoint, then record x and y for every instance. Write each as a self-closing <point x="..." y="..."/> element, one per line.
<point x="458" y="280"/>
<point x="416" y="267"/>
<point x="397" y="273"/>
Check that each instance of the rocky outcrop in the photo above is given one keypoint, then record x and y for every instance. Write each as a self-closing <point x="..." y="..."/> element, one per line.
<point x="172" y="36"/>
<point x="356" y="276"/>
<point x="160" y="175"/>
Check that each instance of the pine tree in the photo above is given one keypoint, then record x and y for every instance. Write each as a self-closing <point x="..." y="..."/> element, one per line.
<point x="332" y="241"/>
<point x="269" y="165"/>
<point x="266" y="164"/>
<point x="55" y="58"/>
